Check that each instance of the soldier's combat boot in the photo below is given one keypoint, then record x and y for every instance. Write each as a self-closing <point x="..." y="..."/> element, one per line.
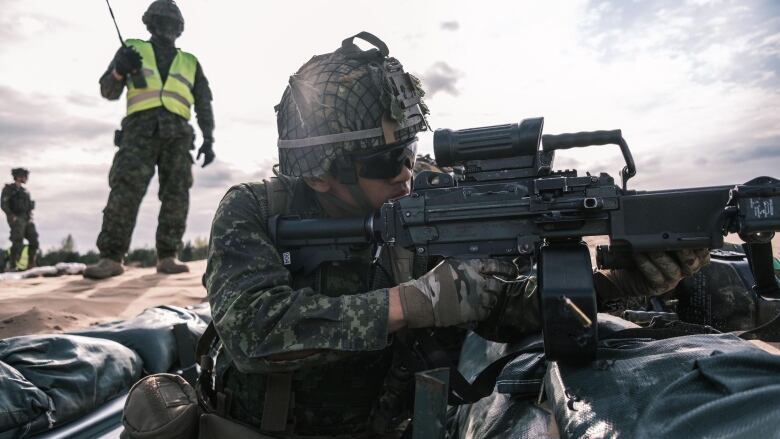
<point x="105" y="268"/>
<point x="171" y="266"/>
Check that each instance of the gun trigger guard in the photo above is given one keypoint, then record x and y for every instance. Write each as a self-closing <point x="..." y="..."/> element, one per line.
<point x="377" y="254"/>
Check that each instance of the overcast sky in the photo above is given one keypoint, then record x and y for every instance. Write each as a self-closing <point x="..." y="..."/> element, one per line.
<point x="693" y="85"/>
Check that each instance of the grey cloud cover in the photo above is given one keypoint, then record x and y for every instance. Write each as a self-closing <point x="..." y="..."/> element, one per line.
<point x="742" y="37"/>
<point x="15" y="26"/>
<point x="765" y="149"/>
<point x="34" y="122"/>
<point x="441" y="77"/>
<point x="452" y="25"/>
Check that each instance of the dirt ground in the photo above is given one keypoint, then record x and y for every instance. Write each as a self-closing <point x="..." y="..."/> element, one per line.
<point x="57" y="304"/>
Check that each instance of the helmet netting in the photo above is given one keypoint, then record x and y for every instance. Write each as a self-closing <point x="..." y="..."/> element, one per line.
<point x="333" y="94"/>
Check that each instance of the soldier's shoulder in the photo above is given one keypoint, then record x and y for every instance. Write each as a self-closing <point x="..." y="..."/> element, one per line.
<point x="245" y="193"/>
<point x="187" y="53"/>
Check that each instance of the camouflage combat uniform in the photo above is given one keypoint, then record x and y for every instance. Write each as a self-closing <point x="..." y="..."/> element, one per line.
<point x="260" y="310"/>
<point x="18" y="206"/>
<point x="149" y="138"/>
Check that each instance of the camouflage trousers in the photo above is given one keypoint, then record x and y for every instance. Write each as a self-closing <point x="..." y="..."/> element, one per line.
<point x="22" y="228"/>
<point x="131" y="171"/>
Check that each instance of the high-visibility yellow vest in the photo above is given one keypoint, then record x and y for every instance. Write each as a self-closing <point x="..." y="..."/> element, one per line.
<point x="175" y="95"/>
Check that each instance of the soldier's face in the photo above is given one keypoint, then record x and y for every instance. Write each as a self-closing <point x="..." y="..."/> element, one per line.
<point x="21" y="180"/>
<point x="376" y="190"/>
<point x="380" y="190"/>
<point x="166" y="29"/>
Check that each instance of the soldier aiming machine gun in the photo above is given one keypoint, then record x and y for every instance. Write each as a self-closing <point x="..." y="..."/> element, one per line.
<point x="505" y="200"/>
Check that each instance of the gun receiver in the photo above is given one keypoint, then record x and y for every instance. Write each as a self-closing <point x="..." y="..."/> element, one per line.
<point x="505" y="200"/>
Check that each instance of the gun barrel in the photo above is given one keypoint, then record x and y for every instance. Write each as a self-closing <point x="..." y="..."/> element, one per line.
<point x="297" y="232"/>
<point x="494" y="142"/>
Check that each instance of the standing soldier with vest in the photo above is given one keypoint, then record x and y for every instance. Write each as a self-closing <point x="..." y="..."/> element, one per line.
<point x="17" y="205"/>
<point x="155" y="132"/>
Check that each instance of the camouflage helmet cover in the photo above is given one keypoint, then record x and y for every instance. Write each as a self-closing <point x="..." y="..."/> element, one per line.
<point x="163" y="8"/>
<point x="345" y="102"/>
<point x="19" y="172"/>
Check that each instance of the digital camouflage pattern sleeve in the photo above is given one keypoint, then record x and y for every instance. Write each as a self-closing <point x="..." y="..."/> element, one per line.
<point x="258" y="314"/>
<point x="5" y="199"/>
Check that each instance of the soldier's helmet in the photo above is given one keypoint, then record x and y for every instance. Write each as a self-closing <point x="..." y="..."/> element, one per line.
<point x="19" y="172"/>
<point x="347" y="102"/>
<point x="163" y="16"/>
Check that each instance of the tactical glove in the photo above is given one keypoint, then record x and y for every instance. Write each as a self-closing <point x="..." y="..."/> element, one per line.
<point x="657" y="272"/>
<point x="207" y="152"/>
<point x="455" y="292"/>
<point x="517" y="314"/>
<point x="127" y="60"/>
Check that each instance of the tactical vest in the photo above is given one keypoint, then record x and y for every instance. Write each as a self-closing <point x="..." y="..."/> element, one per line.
<point x="332" y="399"/>
<point x="175" y="95"/>
<point x="19" y="201"/>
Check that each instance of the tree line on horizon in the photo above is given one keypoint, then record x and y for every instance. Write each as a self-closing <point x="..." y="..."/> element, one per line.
<point x="194" y="250"/>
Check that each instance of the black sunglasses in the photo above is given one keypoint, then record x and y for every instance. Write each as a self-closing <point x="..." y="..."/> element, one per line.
<point x="389" y="162"/>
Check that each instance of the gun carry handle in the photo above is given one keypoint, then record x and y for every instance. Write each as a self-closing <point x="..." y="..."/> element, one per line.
<point x="551" y="142"/>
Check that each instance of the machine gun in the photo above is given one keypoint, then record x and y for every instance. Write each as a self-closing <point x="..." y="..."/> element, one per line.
<point x="505" y="200"/>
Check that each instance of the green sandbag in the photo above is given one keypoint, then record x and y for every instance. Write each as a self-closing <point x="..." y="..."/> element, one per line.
<point x="511" y="410"/>
<point x="77" y="374"/>
<point x="709" y="385"/>
<point x="150" y="334"/>
<point x="23" y="407"/>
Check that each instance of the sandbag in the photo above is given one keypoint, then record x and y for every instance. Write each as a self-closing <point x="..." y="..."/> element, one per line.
<point x="76" y="375"/>
<point x="661" y="388"/>
<point x="23" y="407"/>
<point x="511" y="411"/>
<point x="725" y="395"/>
<point x="150" y="335"/>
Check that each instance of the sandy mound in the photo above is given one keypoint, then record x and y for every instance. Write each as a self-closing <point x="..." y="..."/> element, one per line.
<point x="57" y="304"/>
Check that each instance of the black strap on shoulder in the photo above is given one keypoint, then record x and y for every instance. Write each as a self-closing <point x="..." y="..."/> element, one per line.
<point x="205" y="387"/>
<point x="186" y="350"/>
<point x="205" y="340"/>
<point x="369" y="38"/>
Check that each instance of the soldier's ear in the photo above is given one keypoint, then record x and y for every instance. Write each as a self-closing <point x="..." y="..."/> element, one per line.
<point x="319" y="184"/>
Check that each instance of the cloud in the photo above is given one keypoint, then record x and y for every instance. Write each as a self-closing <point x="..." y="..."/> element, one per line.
<point x="726" y="40"/>
<point x="450" y="25"/>
<point x="441" y="77"/>
<point x="15" y="27"/>
<point x="222" y="175"/>
<point x="34" y="122"/>
<point x="767" y="149"/>
<point x="83" y="100"/>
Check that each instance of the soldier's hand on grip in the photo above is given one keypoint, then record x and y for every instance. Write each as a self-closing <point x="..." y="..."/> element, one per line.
<point x="207" y="151"/>
<point x="455" y="292"/>
<point x="658" y="272"/>
<point x="127" y="60"/>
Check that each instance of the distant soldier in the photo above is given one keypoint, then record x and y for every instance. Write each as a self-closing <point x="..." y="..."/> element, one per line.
<point x="155" y="132"/>
<point x="18" y="206"/>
